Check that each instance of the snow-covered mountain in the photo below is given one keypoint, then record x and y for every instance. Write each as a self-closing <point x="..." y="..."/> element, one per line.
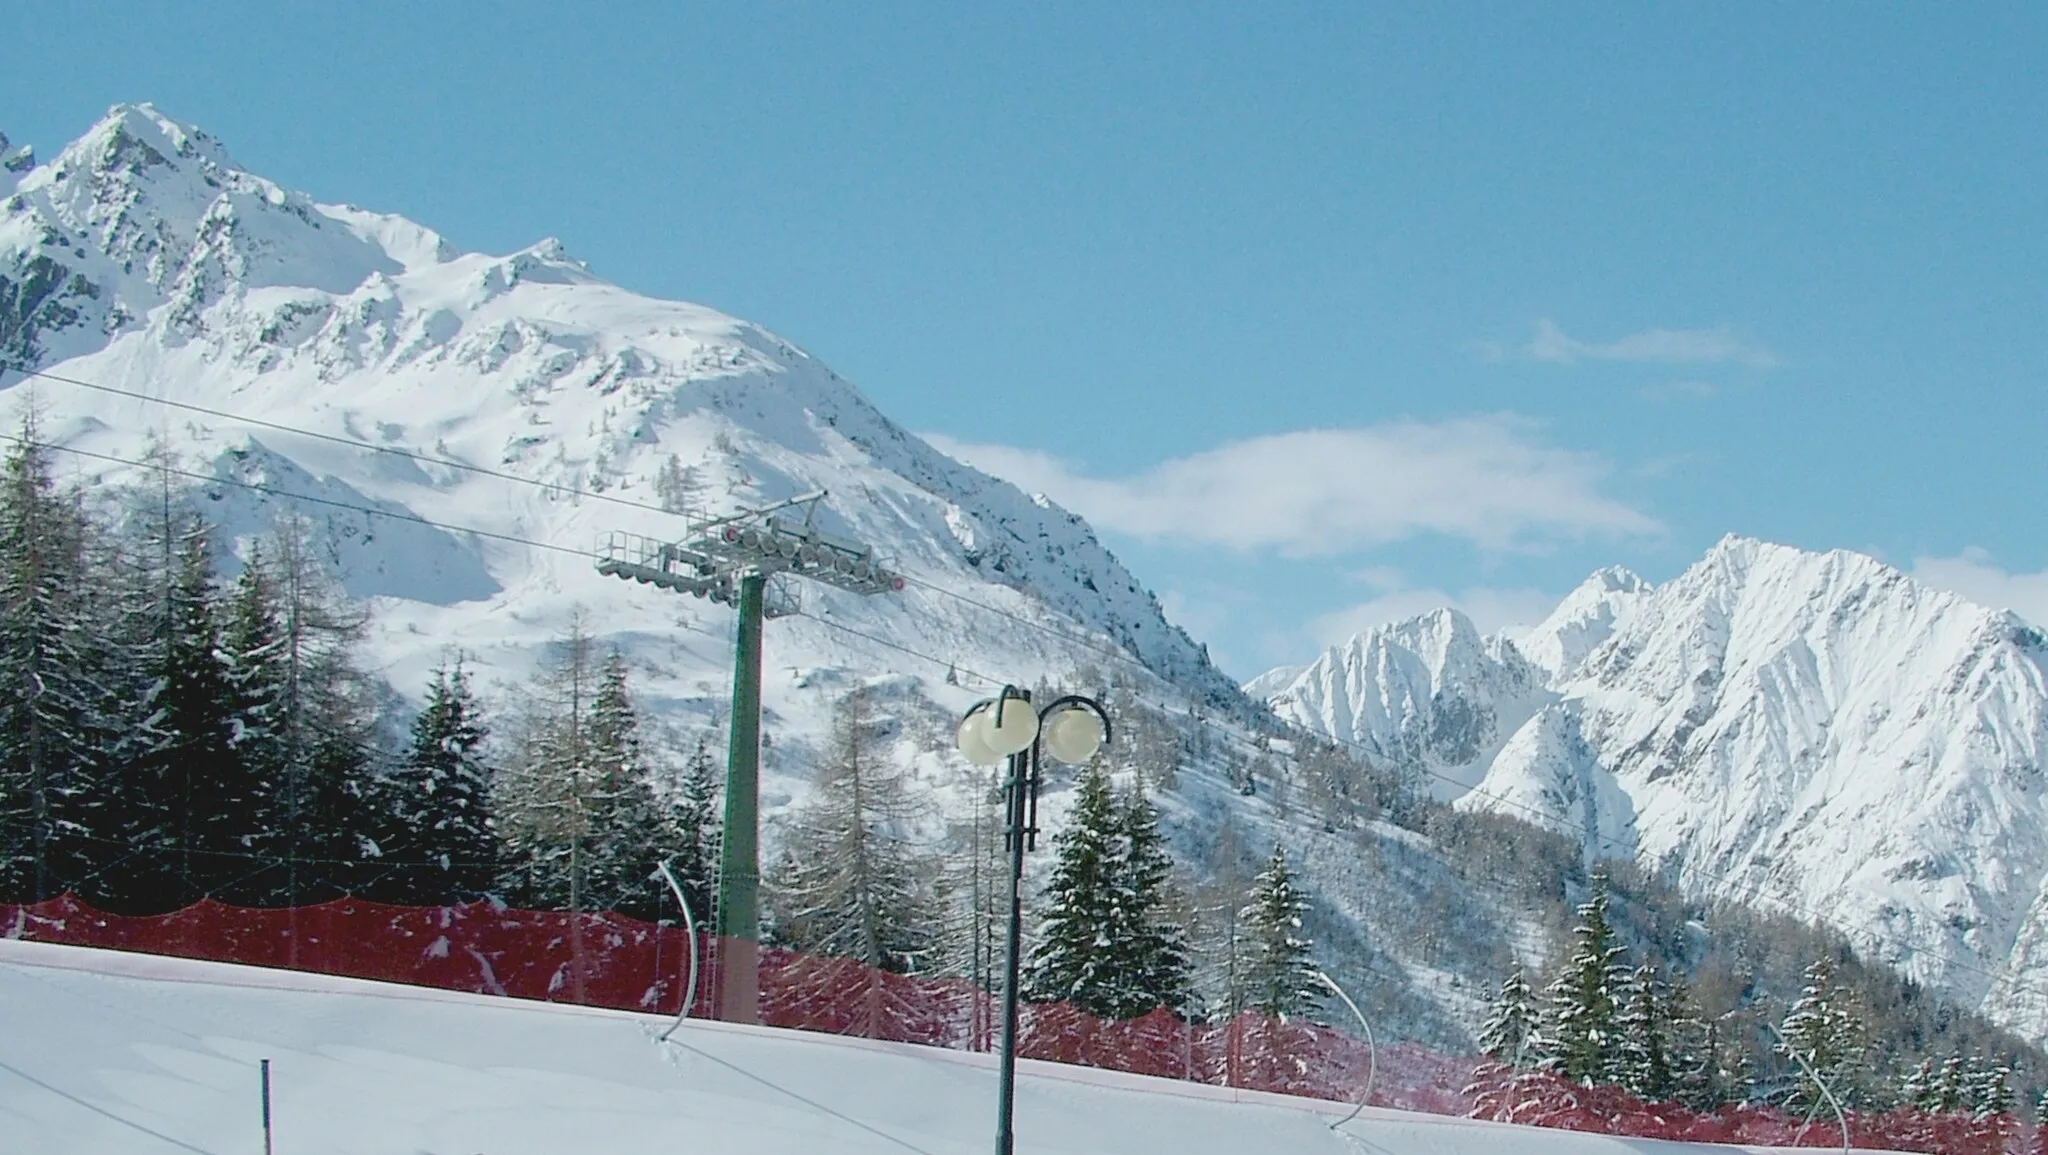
<point x="1814" y="733"/>
<point x="142" y="256"/>
<point x="1428" y="696"/>
<point x="1587" y="617"/>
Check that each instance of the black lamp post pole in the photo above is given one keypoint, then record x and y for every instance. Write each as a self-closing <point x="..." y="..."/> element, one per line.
<point x="1020" y="833"/>
<point x="1021" y="765"/>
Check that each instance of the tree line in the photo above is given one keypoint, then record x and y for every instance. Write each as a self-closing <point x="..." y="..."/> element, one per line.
<point x="1109" y="934"/>
<point x="1602" y="1021"/>
<point x="169" y="733"/>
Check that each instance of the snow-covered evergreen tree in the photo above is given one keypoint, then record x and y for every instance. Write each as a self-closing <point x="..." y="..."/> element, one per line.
<point x="1279" y="976"/>
<point x="1511" y="1035"/>
<point x="575" y="803"/>
<point x="1918" y="1088"/>
<point x="1703" y="1067"/>
<point x="1951" y="1087"/>
<point x="634" y="828"/>
<point x="848" y="883"/>
<point x="697" y="821"/>
<point x="1989" y="1090"/>
<point x="442" y="846"/>
<point x="1645" y="1063"/>
<point x="1582" y="1039"/>
<point x="1104" y="944"/>
<point x="679" y="487"/>
<point x="175" y="758"/>
<point x="1822" y="1030"/>
<point x="56" y="694"/>
<point x="302" y="717"/>
<point x="1159" y="949"/>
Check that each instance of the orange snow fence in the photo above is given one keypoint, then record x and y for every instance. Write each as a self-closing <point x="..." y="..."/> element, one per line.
<point x="607" y="960"/>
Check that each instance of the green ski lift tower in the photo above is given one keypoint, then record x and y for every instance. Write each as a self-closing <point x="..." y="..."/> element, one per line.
<point x="731" y="560"/>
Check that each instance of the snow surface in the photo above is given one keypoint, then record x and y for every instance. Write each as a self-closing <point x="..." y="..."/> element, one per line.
<point x="105" y="1051"/>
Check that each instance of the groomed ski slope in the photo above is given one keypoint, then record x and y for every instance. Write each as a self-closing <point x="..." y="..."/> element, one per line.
<point x="109" y="1052"/>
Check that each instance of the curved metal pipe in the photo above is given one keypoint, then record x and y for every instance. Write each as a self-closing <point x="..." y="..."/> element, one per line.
<point x="690" y="931"/>
<point x="1826" y="1091"/>
<point x="1372" y="1051"/>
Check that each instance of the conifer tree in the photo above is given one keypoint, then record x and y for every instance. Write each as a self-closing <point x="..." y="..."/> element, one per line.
<point x="55" y="694"/>
<point x="679" y="487"/>
<point x="1822" y="1030"/>
<point x="697" y="831"/>
<point x="582" y="824"/>
<point x="1645" y="1063"/>
<point x="302" y="722"/>
<point x="234" y="824"/>
<point x="1512" y="1033"/>
<point x="1103" y="944"/>
<point x="1280" y="978"/>
<point x="1918" y="1088"/>
<point x="1582" y="1036"/>
<point x="1703" y="1077"/>
<point x="549" y="795"/>
<point x="1990" y="1090"/>
<point x="634" y="830"/>
<point x="1950" y="1090"/>
<point x="175" y="761"/>
<point x="848" y="884"/>
<point x="442" y="847"/>
<point x="1160" y="948"/>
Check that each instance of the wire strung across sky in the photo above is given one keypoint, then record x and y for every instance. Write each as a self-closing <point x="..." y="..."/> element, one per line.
<point x="1541" y="818"/>
<point x="502" y="475"/>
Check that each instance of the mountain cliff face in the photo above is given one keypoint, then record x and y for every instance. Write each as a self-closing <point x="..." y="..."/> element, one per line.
<point x="1814" y="733"/>
<point x="1585" y="619"/>
<point x="142" y="256"/>
<point x="1428" y="696"/>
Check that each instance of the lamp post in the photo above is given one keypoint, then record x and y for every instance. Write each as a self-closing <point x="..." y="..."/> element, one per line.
<point x="1070" y="729"/>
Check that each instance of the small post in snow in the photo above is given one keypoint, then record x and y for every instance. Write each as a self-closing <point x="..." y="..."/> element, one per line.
<point x="266" y="1107"/>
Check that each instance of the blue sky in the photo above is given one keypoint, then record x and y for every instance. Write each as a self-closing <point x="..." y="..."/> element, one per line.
<point x="1322" y="313"/>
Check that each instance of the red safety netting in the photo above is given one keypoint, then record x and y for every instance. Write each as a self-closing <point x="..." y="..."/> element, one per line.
<point x="608" y="960"/>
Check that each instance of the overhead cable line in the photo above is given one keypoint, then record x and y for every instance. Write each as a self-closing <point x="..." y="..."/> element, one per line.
<point x="353" y="442"/>
<point x="407" y="516"/>
<point x="549" y="486"/>
<point x="1118" y="655"/>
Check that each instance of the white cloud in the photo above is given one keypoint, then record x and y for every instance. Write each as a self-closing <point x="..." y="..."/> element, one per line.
<point x="1486" y="480"/>
<point x="1974" y="575"/>
<point x="1492" y="610"/>
<point x="1658" y="346"/>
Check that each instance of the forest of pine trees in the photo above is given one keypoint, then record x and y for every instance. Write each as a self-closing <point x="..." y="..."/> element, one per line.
<point x="1603" y="1021"/>
<point x="168" y="733"/>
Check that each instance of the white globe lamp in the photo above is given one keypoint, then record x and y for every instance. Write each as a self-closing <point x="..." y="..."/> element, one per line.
<point x="1073" y="735"/>
<point x="1016" y="728"/>
<point x="972" y="738"/>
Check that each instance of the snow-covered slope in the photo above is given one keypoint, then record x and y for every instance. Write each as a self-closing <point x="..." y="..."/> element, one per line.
<point x="1585" y="619"/>
<point x="1429" y="696"/>
<point x="112" y="1052"/>
<point x="142" y="256"/>
<point x="1815" y="733"/>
